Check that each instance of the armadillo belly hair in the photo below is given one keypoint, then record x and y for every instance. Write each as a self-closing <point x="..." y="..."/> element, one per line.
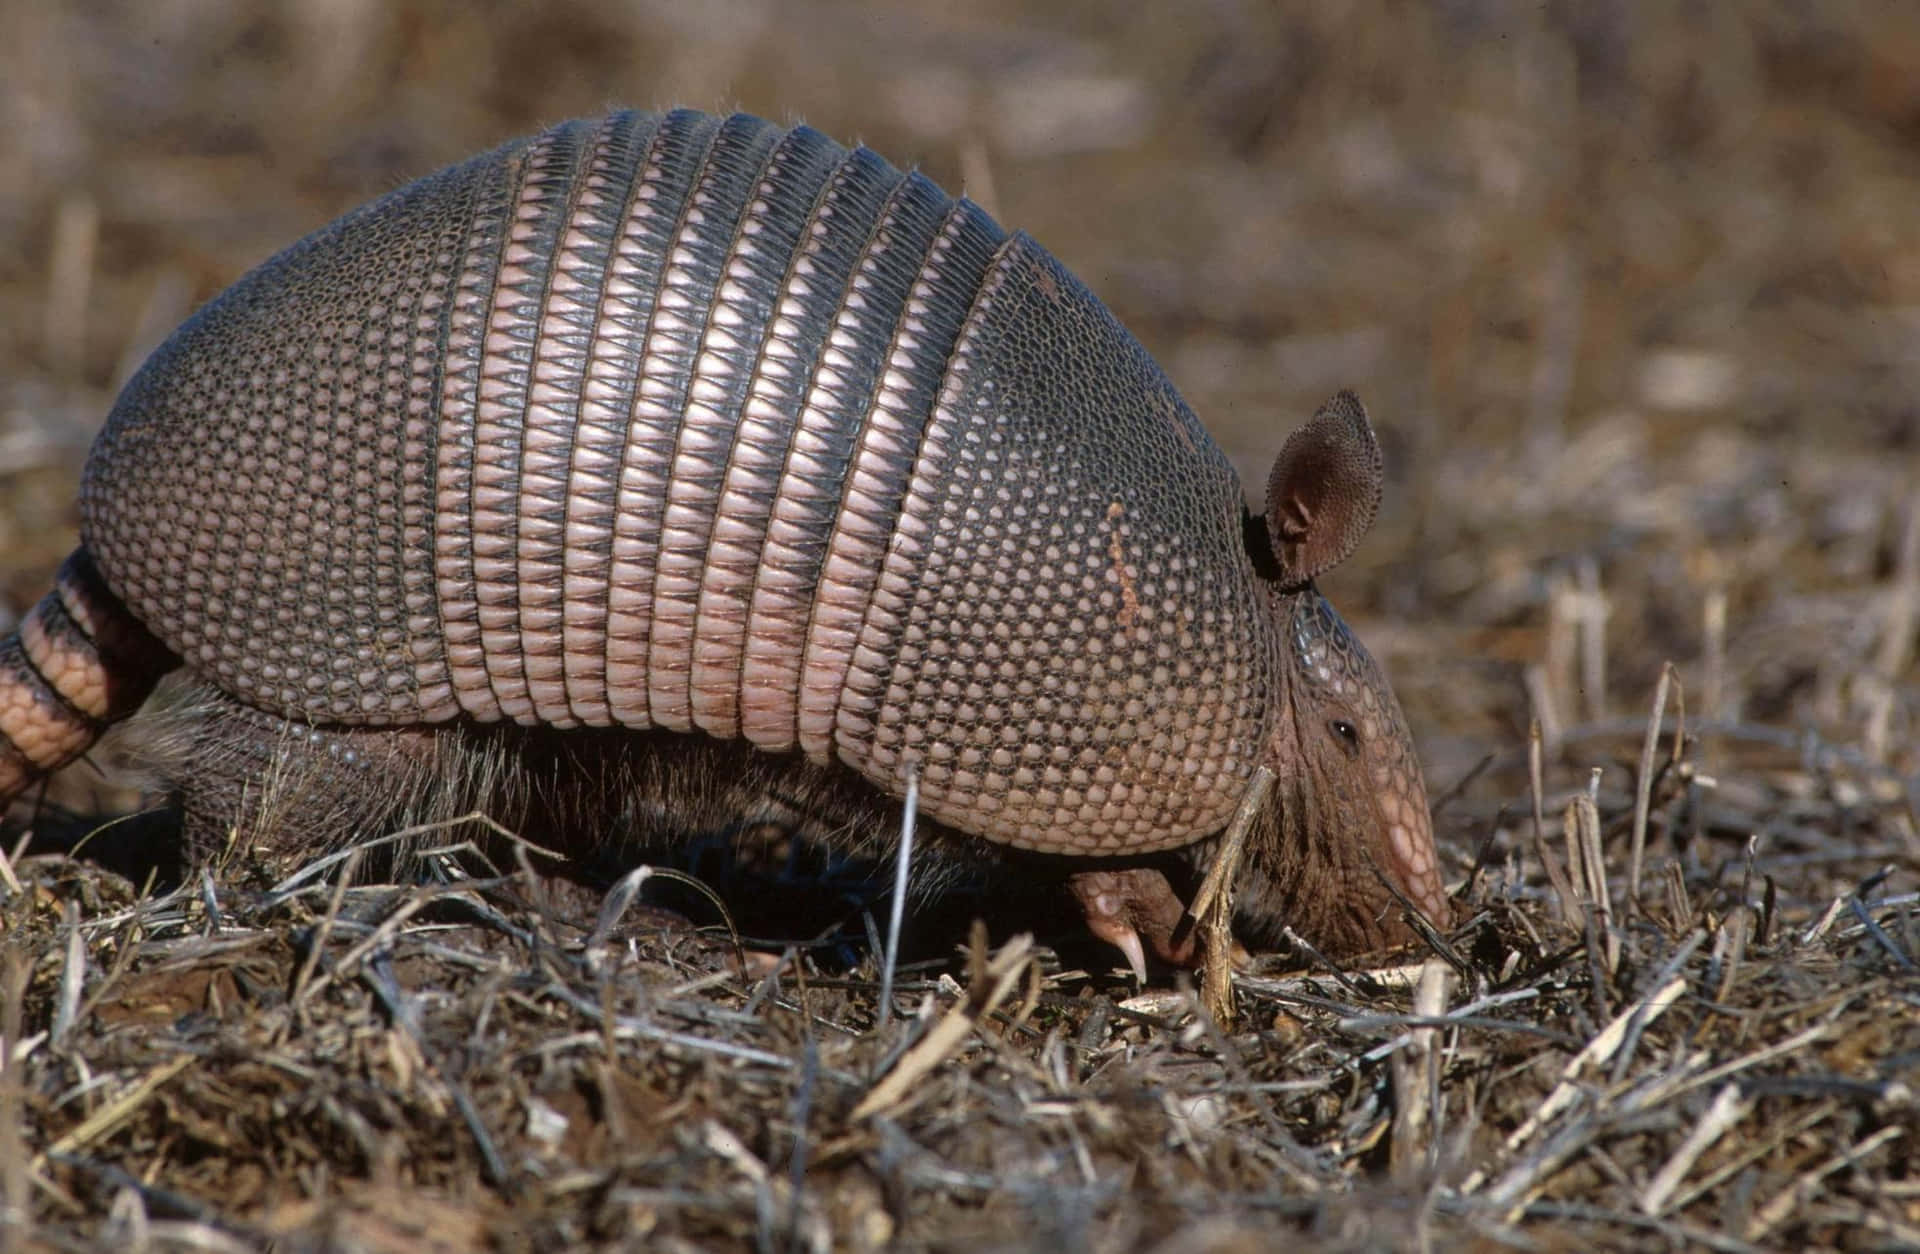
<point x="605" y="799"/>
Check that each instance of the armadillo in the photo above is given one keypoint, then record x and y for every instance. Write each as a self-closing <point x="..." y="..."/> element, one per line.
<point x="711" y="465"/>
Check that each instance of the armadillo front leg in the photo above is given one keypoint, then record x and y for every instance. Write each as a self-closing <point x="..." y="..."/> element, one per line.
<point x="248" y="775"/>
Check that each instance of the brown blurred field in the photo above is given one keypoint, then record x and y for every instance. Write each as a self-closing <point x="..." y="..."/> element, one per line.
<point x="1633" y="293"/>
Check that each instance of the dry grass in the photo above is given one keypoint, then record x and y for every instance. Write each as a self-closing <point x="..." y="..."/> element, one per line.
<point x="1632" y="293"/>
<point x="1728" y="1064"/>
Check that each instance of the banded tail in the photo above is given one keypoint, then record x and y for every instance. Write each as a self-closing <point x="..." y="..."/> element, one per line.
<point x="79" y="663"/>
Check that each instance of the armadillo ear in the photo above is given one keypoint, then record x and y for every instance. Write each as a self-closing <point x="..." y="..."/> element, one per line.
<point x="1324" y="490"/>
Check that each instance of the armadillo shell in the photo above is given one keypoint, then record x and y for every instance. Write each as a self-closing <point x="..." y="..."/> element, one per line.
<point x="698" y="424"/>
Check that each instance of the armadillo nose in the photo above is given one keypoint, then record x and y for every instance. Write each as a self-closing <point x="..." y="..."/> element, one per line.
<point x="1410" y="847"/>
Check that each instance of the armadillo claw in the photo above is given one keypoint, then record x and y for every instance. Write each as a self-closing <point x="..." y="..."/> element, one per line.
<point x="1136" y="910"/>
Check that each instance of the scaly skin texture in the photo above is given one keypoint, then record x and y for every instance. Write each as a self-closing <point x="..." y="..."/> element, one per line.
<point x="692" y="425"/>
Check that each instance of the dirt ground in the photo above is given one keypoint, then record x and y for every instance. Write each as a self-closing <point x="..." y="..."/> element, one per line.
<point x="1633" y="294"/>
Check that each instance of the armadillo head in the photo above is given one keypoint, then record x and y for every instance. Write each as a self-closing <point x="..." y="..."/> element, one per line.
<point x="1347" y="826"/>
<point x="1348" y="815"/>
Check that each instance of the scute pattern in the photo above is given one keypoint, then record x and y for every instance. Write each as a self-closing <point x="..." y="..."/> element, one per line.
<point x="251" y="489"/>
<point x="799" y="503"/>
<point x="702" y="425"/>
<point x="1053" y="646"/>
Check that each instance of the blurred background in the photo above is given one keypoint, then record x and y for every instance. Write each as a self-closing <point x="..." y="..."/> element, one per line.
<point x="1632" y="291"/>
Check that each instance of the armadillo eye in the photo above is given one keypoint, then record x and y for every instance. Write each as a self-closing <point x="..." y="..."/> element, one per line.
<point x="1346" y="733"/>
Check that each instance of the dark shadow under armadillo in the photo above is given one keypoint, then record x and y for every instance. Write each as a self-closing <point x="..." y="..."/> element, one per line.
<point x="686" y="426"/>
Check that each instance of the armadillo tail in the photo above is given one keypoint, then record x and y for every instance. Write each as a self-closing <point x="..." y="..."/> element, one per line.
<point x="78" y="663"/>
